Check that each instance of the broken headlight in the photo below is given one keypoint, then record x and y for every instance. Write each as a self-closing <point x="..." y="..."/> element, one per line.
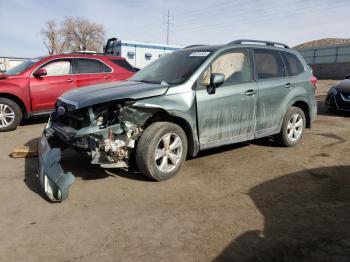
<point x="99" y="120"/>
<point x="333" y="91"/>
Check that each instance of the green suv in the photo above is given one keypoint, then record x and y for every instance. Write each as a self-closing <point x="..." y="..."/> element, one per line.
<point x="197" y="98"/>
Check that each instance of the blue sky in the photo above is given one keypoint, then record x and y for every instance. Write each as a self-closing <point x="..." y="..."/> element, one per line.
<point x="196" y="21"/>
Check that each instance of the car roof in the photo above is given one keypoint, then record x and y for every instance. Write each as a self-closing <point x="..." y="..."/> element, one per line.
<point x="244" y="43"/>
<point x="203" y="48"/>
<point x="85" y="55"/>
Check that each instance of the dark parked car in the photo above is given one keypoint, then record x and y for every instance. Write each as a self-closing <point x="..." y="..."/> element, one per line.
<point x="190" y="100"/>
<point x="33" y="87"/>
<point x="338" y="97"/>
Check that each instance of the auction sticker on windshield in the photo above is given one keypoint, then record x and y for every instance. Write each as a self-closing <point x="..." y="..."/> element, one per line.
<point x="199" y="54"/>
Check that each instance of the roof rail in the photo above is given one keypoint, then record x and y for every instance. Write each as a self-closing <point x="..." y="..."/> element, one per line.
<point x="87" y="53"/>
<point x="190" y="46"/>
<point x="269" y="43"/>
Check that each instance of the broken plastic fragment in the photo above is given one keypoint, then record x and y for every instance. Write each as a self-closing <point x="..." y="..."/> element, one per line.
<point x="53" y="179"/>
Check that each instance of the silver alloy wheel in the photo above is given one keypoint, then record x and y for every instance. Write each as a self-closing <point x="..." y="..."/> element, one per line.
<point x="7" y="116"/>
<point x="168" y="152"/>
<point x="295" y="127"/>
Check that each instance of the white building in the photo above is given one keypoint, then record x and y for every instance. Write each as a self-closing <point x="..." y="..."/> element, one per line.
<point x="7" y="63"/>
<point x="140" y="54"/>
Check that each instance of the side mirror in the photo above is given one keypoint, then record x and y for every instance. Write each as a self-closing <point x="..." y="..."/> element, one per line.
<point x="347" y="77"/>
<point x="216" y="80"/>
<point x="40" y="73"/>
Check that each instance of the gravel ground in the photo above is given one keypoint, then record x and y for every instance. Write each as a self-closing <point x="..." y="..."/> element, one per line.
<point x="245" y="202"/>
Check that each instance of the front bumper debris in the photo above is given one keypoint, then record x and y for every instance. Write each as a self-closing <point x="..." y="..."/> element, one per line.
<point x="53" y="179"/>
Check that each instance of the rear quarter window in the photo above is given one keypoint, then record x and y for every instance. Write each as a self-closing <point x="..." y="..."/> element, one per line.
<point x="293" y="64"/>
<point x="124" y="64"/>
<point x="91" y="66"/>
<point x="268" y="64"/>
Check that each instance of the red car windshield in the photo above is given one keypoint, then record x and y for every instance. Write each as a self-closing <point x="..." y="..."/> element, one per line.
<point x="22" y="67"/>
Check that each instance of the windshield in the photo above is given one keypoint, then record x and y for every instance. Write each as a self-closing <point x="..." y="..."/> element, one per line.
<point x="22" y="67"/>
<point x="174" y="68"/>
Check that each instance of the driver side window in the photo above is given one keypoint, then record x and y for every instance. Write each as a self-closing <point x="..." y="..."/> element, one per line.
<point x="58" y="68"/>
<point x="235" y="65"/>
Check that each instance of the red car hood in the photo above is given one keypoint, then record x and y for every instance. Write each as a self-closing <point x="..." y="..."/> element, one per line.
<point x="10" y="77"/>
<point x="3" y="76"/>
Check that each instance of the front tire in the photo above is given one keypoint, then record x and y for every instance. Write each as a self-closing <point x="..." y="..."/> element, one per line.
<point x="10" y="115"/>
<point x="293" y="127"/>
<point x="161" y="150"/>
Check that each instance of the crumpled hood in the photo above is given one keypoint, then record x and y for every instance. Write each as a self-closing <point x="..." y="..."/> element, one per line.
<point x="343" y="86"/>
<point x="96" y="94"/>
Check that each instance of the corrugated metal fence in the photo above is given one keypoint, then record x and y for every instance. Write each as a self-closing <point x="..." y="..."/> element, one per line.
<point x="331" y="62"/>
<point x="324" y="55"/>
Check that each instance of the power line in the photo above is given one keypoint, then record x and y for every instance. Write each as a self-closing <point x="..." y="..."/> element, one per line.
<point x="168" y="24"/>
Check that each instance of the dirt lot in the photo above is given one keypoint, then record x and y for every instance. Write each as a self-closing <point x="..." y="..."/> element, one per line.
<point x="246" y="202"/>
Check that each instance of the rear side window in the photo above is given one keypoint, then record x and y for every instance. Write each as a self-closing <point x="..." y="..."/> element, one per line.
<point x="124" y="64"/>
<point x="268" y="64"/>
<point x="91" y="66"/>
<point x="293" y="64"/>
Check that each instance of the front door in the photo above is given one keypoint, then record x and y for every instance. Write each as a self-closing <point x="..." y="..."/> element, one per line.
<point x="228" y="115"/>
<point x="46" y="89"/>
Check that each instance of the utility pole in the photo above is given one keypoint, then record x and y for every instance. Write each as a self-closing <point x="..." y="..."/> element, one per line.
<point x="167" y="22"/>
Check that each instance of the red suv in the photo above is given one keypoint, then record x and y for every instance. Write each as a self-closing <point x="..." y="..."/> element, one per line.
<point x="32" y="87"/>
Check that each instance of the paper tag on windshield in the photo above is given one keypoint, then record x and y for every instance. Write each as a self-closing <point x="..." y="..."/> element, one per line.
<point x="199" y="54"/>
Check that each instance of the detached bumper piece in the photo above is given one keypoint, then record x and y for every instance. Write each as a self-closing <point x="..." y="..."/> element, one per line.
<point x="53" y="179"/>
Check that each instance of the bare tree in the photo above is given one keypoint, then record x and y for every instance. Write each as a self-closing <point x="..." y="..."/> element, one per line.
<point x="52" y="37"/>
<point x="80" y="34"/>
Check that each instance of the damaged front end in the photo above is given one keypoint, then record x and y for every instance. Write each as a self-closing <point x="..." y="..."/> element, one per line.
<point x="106" y="132"/>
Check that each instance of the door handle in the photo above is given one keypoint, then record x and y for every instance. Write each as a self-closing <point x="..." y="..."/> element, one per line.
<point x="69" y="80"/>
<point x="107" y="77"/>
<point x="250" y="92"/>
<point x="289" y="85"/>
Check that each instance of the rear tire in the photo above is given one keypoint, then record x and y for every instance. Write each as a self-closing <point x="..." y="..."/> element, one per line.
<point x="161" y="150"/>
<point x="293" y="127"/>
<point x="10" y="115"/>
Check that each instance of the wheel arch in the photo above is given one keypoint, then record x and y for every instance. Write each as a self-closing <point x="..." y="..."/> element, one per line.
<point x="306" y="109"/>
<point x="163" y="115"/>
<point x="18" y="101"/>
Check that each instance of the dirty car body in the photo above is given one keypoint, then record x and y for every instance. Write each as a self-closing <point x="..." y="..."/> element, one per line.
<point x="202" y="91"/>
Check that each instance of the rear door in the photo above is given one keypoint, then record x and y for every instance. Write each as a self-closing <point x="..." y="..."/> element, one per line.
<point x="273" y="89"/>
<point x="45" y="90"/>
<point x="90" y="71"/>
<point x="227" y="116"/>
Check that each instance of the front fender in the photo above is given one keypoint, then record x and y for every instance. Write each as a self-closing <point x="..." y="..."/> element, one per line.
<point x="181" y="106"/>
<point x="10" y="89"/>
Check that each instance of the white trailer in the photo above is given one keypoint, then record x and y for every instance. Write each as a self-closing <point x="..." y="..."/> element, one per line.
<point x="138" y="54"/>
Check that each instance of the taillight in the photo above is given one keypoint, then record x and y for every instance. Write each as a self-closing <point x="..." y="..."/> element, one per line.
<point x="313" y="81"/>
